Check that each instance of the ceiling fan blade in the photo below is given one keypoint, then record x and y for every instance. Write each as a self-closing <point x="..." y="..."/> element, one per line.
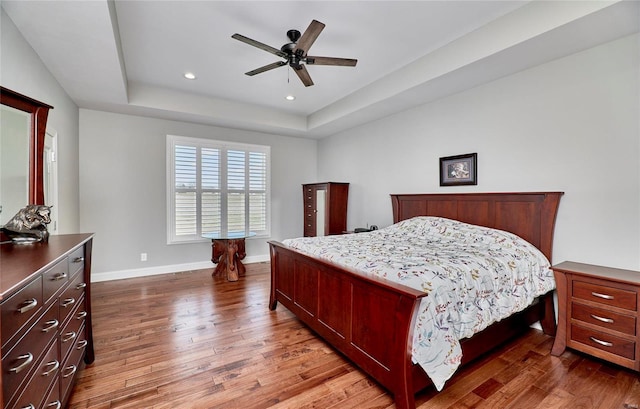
<point x="343" y="62"/>
<point x="266" y="68"/>
<point x="308" y="37"/>
<point x="260" y="45"/>
<point x="303" y="74"/>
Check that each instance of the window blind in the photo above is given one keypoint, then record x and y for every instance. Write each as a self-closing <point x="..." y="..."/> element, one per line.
<point x="216" y="187"/>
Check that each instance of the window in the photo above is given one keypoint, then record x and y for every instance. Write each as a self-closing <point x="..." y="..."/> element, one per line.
<point x="216" y="186"/>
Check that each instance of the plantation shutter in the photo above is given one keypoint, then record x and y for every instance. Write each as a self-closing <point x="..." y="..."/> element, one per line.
<point x="257" y="191"/>
<point x="216" y="187"/>
<point x="185" y="190"/>
<point x="211" y="191"/>
<point x="236" y="185"/>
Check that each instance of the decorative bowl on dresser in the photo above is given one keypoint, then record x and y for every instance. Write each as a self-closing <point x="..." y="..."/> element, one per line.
<point x="45" y="298"/>
<point x="598" y="312"/>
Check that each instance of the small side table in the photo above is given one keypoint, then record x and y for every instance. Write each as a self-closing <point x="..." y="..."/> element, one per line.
<point x="598" y="312"/>
<point x="227" y="251"/>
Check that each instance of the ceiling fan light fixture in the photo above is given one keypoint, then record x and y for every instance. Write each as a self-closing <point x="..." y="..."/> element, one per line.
<point x="294" y="53"/>
<point x="189" y="75"/>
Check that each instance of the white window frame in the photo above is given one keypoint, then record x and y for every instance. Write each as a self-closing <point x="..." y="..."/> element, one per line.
<point x="224" y="146"/>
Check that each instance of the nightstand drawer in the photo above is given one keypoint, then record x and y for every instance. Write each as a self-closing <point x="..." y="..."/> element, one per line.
<point x="605" y="342"/>
<point x="606" y="319"/>
<point x="603" y="294"/>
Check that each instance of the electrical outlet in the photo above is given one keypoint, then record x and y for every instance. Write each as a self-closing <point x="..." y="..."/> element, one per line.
<point x="143" y="256"/>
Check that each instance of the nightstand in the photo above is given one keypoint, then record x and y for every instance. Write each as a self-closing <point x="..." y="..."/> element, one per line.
<point x="598" y="312"/>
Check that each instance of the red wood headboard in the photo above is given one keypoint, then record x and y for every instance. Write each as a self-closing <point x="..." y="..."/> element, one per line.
<point x="530" y="215"/>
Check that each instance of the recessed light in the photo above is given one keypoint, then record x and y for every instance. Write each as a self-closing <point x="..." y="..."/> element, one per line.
<point x="290" y="97"/>
<point x="189" y="75"/>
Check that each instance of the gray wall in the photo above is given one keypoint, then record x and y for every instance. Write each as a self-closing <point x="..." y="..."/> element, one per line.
<point x="123" y="191"/>
<point x="22" y="71"/>
<point x="569" y="125"/>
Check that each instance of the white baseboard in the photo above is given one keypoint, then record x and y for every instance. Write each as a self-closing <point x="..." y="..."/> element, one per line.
<point x="173" y="268"/>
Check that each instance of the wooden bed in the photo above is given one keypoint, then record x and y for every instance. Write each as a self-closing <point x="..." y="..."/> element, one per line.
<point x="371" y="320"/>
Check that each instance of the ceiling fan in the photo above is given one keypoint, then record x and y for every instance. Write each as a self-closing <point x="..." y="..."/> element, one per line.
<point x="295" y="53"/>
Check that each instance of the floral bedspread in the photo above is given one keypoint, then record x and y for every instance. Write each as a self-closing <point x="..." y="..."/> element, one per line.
<point x="474" y="276"/>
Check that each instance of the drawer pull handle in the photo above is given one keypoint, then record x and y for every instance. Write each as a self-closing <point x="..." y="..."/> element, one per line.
<point x="28" y="305"/>
<point x="54" y="405"/>
<point x="81" y="315"/>
<point x="81" y="286"/>
<point x="603" y="296"/>
<point x="27" y="357"/>
<point x="29" y="406"/>
<point x="603" y="343"/>
<point x="53" y="324"/>
<point x="82" y="344"/>
<point x="70" y="370"/>
<point x="602" y="319"/>
<point x="78" y="259"/>
<point x="55" y="365"/>
<point x="59" y="277"/>
<point x="67" y="302"/>
<point x="69" y="336"/>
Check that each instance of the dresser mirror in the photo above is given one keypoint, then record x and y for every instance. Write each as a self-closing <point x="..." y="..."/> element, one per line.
<point x="23" y="123"/>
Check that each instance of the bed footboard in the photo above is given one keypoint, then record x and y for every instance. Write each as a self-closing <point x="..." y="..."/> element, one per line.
<point x="368" y="320"/>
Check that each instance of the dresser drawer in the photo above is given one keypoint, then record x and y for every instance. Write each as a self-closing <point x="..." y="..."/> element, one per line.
<point x="19" y="308"/>
<point x="41" y="380"/>
<point x="603" y="294"/>
<point x="71" y="296"/>
<point x="72" y="364"/>
<point x="18" y="363"/>
<point x="53" y="279"/>
<point x="71" y="330"/>
<point x="602" y="341"/>
<point x="53" y="400"/>
<point x="606" y="319"/>
<point x="76" y="260"/>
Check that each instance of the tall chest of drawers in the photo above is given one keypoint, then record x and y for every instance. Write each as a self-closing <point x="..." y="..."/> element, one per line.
<point x="325" y="208"/>
<point x="45" y="323"/>
<point x="598" y="312"/>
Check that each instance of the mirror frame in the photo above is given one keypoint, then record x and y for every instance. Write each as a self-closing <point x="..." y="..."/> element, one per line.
<point x="39" y="112"/>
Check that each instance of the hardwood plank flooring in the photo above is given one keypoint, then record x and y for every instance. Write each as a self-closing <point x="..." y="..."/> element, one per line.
<point x="188" y="340"/>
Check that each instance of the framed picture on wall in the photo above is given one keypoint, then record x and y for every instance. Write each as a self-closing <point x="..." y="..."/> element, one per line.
<point x="459" y="170"/>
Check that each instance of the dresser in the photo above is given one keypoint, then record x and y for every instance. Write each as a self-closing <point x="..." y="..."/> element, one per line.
<point x="325" y="208"/>
<point x="46" y="320"/>
<point x="598" y="312"/>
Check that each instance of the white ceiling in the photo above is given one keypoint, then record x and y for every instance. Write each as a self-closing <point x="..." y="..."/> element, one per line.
<point x="130" y="56"/>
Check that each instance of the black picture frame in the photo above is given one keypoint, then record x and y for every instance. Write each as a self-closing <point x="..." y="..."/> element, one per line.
<point x="459" y="170"/>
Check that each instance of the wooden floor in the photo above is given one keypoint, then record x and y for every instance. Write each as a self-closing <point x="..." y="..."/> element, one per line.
<point x="188" y="340"/>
